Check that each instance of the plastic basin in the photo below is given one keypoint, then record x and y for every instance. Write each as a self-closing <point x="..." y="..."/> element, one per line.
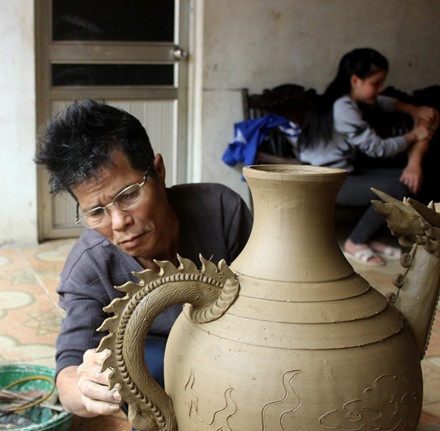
<point x="44" y="418"/>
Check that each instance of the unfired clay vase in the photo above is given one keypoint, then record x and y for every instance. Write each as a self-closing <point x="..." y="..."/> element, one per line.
<point x="289" y="337"/>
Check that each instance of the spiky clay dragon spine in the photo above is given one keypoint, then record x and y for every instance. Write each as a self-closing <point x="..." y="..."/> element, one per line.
<point x="210" y="292"/>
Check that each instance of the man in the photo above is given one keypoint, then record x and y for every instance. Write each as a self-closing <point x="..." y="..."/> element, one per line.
<point x="103" y="157"/>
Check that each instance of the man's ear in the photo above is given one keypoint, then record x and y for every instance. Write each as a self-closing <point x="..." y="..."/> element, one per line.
<point x="159" y="167"/>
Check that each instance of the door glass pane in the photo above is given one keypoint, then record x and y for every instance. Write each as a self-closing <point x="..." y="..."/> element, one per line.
<point x="113" y="20"/>
<point x="112" y="74"/>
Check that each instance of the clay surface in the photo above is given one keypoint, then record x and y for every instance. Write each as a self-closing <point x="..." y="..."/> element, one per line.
<point x="289" y="337"/>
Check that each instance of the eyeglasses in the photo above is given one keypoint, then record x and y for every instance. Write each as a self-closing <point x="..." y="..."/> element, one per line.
<point x="124" y="200"/>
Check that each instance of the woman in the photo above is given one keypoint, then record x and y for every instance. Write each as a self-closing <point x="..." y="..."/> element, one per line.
<point x="335" y="132"/>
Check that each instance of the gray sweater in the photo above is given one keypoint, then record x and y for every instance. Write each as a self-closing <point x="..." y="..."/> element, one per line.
<point x="351" y="133"/>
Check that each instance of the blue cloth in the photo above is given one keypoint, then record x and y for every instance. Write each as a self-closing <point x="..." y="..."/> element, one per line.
<point x="249" y="134"/>
<point x="154" y="351"/>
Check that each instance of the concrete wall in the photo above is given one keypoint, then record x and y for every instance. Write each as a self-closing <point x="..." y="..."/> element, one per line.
<point x="260" y="44"/>
<point x="18" y="221"/>
<point x="245" y="43"/>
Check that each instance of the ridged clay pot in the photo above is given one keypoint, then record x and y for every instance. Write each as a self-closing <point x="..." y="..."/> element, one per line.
<point x="292" y="338"/>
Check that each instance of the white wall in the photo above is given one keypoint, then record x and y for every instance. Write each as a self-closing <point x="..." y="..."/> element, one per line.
<point x="245" y="43"/>
<point x="18" y="221"/>
<point x="260" y="44"/>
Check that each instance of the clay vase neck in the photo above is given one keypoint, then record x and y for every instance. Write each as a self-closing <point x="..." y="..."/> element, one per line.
<point x="293" y="237"/>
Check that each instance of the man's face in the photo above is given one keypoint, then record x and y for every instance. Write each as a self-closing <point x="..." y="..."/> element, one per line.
<point x="142" y="231"/>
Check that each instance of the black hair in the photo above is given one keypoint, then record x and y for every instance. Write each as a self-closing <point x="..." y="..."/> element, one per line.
<point x="362" y="62"/>
<point x="83" y="138"/>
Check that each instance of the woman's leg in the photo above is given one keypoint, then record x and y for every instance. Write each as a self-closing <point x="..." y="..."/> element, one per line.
<point x="356" y="192"/>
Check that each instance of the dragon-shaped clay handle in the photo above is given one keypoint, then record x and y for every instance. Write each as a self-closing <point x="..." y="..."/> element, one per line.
<point x="209" y="291"/>
<point x="417" y="227"/>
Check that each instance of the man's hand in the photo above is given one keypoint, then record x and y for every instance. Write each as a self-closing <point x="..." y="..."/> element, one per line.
<point x="93" y="385"/>
<point x="84" y="390"/>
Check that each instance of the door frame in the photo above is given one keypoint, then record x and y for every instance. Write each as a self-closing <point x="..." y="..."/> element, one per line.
<point x="48" y="53"/>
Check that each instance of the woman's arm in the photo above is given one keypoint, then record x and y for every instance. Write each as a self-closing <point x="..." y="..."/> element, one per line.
<point x="424" y="114"/>
<point x="427" y="118"/>
<point x="356" y="132"/>
<point x="412" y="174"/>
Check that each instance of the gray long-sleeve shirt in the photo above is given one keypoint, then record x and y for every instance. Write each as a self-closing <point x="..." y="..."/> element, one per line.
<point x="213" y="222"/>
<point x="352" y="132"/>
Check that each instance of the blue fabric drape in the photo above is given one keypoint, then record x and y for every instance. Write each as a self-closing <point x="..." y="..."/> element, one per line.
<point x="249" y="134"/>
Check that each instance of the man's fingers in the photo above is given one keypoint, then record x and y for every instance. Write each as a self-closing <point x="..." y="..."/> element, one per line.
<point x="96" y="391"/>
<point x="94" y="373"/>
<point x="98" y="399"/>
<point x="91" y="368"/>
<point x="92" y="355"/>
<point x="100" y="408"/>
<point x="93" y="385"/>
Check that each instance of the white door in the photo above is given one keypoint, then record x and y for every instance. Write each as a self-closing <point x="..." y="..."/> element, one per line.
<point x="131" y="54"/>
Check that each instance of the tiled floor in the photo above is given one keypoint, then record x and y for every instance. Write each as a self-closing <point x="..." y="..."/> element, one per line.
<point x="30" y="317"/>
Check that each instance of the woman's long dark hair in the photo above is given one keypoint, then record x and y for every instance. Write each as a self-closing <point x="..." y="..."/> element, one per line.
<point x="362" y="62"/>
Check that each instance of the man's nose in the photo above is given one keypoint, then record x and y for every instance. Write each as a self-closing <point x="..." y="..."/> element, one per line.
<point x="119" y="218"/>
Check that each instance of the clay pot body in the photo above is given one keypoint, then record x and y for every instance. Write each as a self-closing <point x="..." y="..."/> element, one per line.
<point x="308" y="344"/>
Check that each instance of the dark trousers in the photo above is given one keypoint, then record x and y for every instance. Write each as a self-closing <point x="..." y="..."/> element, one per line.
<point x="355" y="192"/>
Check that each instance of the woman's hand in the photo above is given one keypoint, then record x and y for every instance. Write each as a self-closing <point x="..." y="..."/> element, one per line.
<point x="421" y="132"/>
<point x="426" y="115"/>
<point x="412" y="177"/>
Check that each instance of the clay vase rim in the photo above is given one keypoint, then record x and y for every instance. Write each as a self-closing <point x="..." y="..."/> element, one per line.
<point x="287" y="171"/>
